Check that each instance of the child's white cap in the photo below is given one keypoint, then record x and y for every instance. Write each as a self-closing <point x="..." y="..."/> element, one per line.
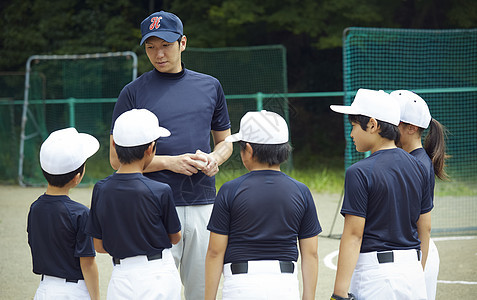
<point x="375" y="104"/>
<point x="137" y="127"/>
<point x="414" y="109"/>
<point x="261" y="127"/>
<point x="65" y="150"/>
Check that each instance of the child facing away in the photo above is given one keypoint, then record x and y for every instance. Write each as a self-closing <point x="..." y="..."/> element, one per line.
<point x="257" y="219"/>
<point x="386" y="206"/>
<point x="133" y="218"/>
<point x="415" y="118"/>
<point x="61" y="251"/>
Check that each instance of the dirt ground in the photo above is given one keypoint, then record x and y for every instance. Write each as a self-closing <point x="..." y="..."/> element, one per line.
<point x="458" y="255"/>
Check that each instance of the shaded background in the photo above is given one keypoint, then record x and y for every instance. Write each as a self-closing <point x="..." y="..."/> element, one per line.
<point x="310" y="30"/>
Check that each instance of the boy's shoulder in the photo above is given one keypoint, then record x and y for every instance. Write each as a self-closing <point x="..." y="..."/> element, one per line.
<point x="382" y="161"/>
<point x="59" y="203"/>
<point x="278" y="178"/>
<point x="131" y="180"/>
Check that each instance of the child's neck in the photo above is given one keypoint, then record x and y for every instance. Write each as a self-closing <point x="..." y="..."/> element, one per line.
<point x="412" y="145"/>
<point x="57" y="191"/>
<point x="134" y="167"/>
<point x="256" y="166"/>
<point x="383" y="144"/>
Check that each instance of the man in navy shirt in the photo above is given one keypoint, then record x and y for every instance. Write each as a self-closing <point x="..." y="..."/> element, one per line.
<point x="133" y="218"/>
<point x="61" y="251"/>
<point x="258" y="218"/>
<point x="386" y="206"/>
<point x="192" y="106"/>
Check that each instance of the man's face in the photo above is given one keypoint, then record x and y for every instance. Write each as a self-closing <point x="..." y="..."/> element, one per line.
<point x="165" y="56"/>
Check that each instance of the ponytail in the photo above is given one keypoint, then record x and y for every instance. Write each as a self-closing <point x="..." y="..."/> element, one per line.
<point x="435" y="146"/>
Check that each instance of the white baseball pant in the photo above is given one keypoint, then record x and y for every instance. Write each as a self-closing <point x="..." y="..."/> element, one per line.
<point x="138" y="278"/>
<point x="263" y="280"/>
<point x="432" y="270"/>
<point x="399" y="279"/>
<point x="189" y="253"/>
<point x="54" y="288"/>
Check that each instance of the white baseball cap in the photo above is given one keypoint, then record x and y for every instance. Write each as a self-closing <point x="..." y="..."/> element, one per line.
<point x="65" y="150"/>
<point x="414" y="109"/>
<point x="137" y="127"/>
<point x="375" y="104"/>
<point x="261" y="127"/>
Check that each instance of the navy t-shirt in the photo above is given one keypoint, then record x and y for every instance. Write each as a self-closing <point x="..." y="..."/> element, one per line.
<point x="390" y="189"/>
<point x="421" y="155"/>
<point x="189" y="105"/>
<point x="56" y="235"/>
<point x="264" y="213"/>
<point x="133" y="215"/>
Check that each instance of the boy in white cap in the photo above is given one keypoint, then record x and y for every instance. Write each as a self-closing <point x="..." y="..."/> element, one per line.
<point x="386" y="207"/>
<point x="61" y="251"/>
<point x="133" y="218"/>
<point x="258" y="218"/>
<point x="415" y="118"/>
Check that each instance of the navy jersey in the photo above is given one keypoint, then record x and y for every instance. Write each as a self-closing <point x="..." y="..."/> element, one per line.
<point x="133" y="215"/>
<point x="422" y="156"/>
<point x="57" y="238"/>
<point x="189" y="105"/>
<point x="390" y="189"/>
<point x="264" y="213"/>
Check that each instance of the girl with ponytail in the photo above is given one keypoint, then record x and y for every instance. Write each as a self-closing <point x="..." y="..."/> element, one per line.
<point x="415" y="118"/>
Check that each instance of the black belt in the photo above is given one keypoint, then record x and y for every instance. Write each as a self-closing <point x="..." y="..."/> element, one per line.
<point x="117" y="261"/>
<point x="388" y="256"/>
<point x="67" y="280"/>
<point x="242" y="268"/>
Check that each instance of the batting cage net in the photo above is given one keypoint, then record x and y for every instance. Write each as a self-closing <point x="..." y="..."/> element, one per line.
<point x="70" y="91"/>
<point x="245" y="72"/>
<point x="440" y="66"/>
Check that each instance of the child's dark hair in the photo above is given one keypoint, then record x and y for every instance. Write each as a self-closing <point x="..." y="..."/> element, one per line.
<point x="435" y="146"/>
<point x="62" y="179"/>
<point x="127" y="155"/>
<point x="269" y="154"/>
<point x="388" y="130"/>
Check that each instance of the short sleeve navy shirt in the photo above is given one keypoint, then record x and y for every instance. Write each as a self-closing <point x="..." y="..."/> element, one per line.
<point x="189" y="105"/>
<point x="264" y="213"/>
<point x="390" y="189"/>
<point x="132" y="215"/>
<point x="56" y="235"/>
<point x="421" y="155"/>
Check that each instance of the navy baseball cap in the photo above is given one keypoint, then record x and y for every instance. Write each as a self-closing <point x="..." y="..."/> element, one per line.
<point x="164" y="25"/>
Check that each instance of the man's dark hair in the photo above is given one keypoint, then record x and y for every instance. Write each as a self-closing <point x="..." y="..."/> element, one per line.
<point x="388" y="130"/>
<point x="269" y="154"/>
<point x="127" y="155"/>
<point x="62" y="179"/>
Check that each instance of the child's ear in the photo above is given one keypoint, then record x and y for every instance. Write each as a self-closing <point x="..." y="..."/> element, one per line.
<point x="77" y="178"/>
<point x="249" y="148"/>
<point x="373" y="125"/>
<point x="411" y="129"/>
<point x="151" y="149"/>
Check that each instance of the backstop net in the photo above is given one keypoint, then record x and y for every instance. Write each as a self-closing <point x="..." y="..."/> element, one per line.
<point x="244" y="72"/>
<point x="71" y="91"/>
<point x="440" y="66"/>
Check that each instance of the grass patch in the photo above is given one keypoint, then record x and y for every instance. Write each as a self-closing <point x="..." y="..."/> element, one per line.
<point x="322" y="180"/>
<point x="454" y="188"/>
